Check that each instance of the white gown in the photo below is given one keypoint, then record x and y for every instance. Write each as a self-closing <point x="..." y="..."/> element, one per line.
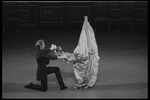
<point x="85" y="57"/>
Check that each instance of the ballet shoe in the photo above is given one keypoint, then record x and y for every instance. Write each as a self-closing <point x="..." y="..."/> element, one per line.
<point x="81" y="86"/>
<point x="64" y="87"/>
<point x="44" y="90"/>
<point x="76" y="87"/>
<point x="85" y="87"/>
<point x="29" y="85"/>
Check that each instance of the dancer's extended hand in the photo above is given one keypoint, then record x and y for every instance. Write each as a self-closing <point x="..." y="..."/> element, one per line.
<point x="53" y="47"/>
<point x="63" y="57"/>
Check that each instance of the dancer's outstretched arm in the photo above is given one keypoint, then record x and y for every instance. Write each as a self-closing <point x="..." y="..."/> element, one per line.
<point x="65" y="56"/>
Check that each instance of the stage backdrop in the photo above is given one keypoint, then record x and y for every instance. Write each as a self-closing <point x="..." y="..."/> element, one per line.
<point x="70" y="14"/>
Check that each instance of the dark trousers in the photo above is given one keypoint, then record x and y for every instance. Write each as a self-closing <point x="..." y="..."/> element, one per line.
<point x="44" y="85"/>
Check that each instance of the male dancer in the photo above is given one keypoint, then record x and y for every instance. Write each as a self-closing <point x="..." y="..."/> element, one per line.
<point x="43" y="58"/>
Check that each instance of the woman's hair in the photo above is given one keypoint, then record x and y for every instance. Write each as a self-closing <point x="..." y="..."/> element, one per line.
<point x="39" y="43"/>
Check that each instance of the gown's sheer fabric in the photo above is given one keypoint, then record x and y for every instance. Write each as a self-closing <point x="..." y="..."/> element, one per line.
<point x="85" y="57"/>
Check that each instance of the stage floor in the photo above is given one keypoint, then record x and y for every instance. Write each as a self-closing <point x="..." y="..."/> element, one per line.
<point x="123" y="65"/>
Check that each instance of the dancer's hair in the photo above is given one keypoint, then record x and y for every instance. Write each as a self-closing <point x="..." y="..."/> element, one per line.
<point x="39" y="43"/>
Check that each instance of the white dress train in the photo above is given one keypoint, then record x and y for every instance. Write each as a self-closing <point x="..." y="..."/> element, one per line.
<point x="85" y="57"/>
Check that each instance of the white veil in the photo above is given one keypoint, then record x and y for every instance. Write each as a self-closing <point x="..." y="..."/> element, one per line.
<point x="87" y="47"/>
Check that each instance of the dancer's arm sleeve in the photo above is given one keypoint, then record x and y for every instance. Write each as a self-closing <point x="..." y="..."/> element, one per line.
<point x="71" y="57"/>
<point x="53" y="57"/>
<point x="47" y="50"/>
<point x="43" y="53"/>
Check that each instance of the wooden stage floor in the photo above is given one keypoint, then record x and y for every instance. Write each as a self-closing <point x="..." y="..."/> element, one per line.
<point x="123" y="65"/>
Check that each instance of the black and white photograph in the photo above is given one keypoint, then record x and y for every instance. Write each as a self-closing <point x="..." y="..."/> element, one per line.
<point x="75" y="49"/>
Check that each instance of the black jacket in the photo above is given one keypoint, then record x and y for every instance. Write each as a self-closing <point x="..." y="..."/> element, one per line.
<point x="43" y="58"/>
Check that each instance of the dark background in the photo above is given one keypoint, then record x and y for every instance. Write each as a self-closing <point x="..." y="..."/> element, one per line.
<point x="70" y="14"/>
<point x="123" y="64"/>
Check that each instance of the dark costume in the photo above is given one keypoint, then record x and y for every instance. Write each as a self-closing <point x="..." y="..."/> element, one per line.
<point x="43" y="58"/>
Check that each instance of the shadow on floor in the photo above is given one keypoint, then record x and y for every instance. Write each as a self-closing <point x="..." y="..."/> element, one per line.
<point x="19" y="87"/>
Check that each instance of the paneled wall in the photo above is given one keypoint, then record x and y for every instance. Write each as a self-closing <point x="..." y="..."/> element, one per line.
<point x="27" y="14"/>
<point x="141" y="12"/>
<point x="64" y="14"/>
<point x="53" y="14"/>
<point x="70" y="14"/>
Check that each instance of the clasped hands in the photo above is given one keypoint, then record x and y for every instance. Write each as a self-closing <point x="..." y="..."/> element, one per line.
<point x="58" y="52"/>
<point x="53" y="47"/>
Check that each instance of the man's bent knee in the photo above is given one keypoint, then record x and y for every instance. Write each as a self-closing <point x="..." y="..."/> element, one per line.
<point x="44" y="89"/>
<point x="57" y="68"/>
